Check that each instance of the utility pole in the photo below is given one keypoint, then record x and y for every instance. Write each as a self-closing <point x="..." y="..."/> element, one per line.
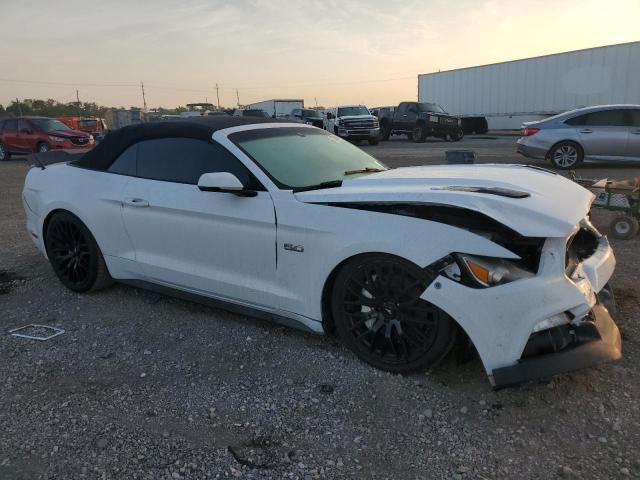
<point x="238" y="97"/>
<point x="218" y="95"/>
<point x="19" y="106"/>
<point x="316" y="100"/>
<point x="144" y="100"/>
<point x="78" y="98"/>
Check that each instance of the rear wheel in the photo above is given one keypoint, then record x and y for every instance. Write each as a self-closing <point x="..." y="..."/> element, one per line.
<point x="565" y="155"/>
<point x="457" y="135"/>
<point x="419" y="134"/>
<point x="4" y="153"/>
<point x="624" y="227"/>
<point x="74" y="254"/>
<point x="42" y="147"/>
<point x="379" y="314"/>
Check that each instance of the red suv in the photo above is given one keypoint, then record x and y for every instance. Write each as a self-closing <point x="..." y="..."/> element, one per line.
<point x="38" y="134"/>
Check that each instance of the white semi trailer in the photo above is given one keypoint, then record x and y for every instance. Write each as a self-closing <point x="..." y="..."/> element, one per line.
<point x="277" y="108"/>
<point x="509" y="93"/>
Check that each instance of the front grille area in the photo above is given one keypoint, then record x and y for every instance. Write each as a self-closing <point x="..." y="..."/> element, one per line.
<point x="448" y="121"/>
<point x="359" y="124"/>
<point x="79" y="140"/>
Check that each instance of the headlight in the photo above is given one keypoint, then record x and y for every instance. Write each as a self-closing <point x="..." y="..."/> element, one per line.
<point x="91" y="138"/>
<point x="483" y="272"/>
<point x="53" y="138"/>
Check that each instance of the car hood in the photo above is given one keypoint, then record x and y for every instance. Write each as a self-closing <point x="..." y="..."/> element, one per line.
<point x="550" y="205"/>
<point x="68" y="133"/>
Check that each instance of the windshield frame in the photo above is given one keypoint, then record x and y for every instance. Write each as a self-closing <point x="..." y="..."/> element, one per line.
<point x="236" y="137"/>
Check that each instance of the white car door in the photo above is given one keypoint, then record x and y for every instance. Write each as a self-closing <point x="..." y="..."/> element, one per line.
<point x="212" y="243"/>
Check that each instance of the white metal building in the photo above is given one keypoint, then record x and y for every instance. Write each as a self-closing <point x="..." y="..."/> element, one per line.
<point x="509" y="93"/>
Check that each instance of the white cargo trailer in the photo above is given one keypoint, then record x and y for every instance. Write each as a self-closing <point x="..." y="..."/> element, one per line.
<point x="277" y="108"/>
<point x="509" y="93"/>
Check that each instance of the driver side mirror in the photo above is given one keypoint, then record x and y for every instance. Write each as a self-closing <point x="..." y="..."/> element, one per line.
<point x="224" y="182"/>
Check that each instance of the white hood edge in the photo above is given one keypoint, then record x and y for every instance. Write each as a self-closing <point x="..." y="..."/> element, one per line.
<point x="554" y="206"/>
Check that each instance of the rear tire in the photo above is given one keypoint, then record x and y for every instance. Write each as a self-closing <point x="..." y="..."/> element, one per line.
<point x="4" y="153"/>
<point x="380" y="316"/>
<point x="74" y="254"/>
<point x="624" y="227"/>
<point x="566" y="155"/>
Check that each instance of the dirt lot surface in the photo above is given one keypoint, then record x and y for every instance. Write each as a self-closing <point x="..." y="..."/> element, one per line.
<point x="146" y="386"/>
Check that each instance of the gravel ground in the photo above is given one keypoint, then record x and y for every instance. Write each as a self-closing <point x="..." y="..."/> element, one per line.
<point x="145" y="386"/>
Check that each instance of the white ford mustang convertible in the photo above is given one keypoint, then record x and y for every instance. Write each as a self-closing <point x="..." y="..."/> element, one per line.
<point x="292" y="222"/>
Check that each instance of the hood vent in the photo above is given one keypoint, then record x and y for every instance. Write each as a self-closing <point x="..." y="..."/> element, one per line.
<point x="502" y="192"/>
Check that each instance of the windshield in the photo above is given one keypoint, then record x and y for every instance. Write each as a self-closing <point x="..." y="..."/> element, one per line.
<point x="349" y="111"/>
<point x="299" y="158"/>
<point x="311" y="113"/>
<point x="430" y="107"/>
<point x="255" y="113"/>
<point x="48" y="124"/>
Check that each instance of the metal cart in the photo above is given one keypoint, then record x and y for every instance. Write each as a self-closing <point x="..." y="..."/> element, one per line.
<point x="621" y="196"/>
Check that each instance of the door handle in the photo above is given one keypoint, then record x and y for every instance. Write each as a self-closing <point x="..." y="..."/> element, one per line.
<point x="136" y="202"/>
<point x="586" y="130"/>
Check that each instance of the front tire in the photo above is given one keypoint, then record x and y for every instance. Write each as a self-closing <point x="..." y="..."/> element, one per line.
<point x="74" y="254"/>
<point x="42" y="147"/>
<point x="4" y="153"/>
<point x="457" y="135"/>
<point x="385" y="131"/>
<point x="419" y="134"/>
<point x="566" y="155"/>
<point x="379" y="314"/>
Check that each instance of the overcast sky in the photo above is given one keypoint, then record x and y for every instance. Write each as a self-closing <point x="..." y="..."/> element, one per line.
<point x="336" y="51"/>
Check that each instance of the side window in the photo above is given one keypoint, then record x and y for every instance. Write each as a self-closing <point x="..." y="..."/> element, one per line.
<point x="125" y="164"/>
<point x="402" y="109"/>
<point x="579" y="120"/>
<point x="184" y="160"/>
<point x="606" y="118"/>
<point x="23" y="125"/>
<point x="11" y="125"/>
<point x="635" y="118"/>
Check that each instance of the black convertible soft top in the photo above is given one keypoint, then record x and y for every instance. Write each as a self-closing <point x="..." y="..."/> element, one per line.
<point x="104" y="154"/>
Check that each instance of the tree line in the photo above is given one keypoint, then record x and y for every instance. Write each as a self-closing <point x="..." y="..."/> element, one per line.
<point x="53" y="108"/>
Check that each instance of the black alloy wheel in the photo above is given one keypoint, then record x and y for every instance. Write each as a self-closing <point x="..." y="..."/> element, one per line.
<point x="418" y="135"/>
<point x="457" y="135"/>
<point x="379" y="314"/>
<point x="74" y="254"/>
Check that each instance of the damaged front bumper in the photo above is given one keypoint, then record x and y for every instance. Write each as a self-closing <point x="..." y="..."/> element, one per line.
<point x="509" y="324"/>
<point x="594" y="341"/>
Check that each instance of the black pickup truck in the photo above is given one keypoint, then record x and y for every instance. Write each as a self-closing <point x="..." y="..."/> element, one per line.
<point x="419" y="120"/>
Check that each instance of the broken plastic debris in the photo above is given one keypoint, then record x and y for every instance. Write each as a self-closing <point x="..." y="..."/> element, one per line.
<point x="36" y="332"/>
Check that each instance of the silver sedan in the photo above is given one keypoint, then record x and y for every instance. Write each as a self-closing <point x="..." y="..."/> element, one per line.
<point x="602" y="133"/>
